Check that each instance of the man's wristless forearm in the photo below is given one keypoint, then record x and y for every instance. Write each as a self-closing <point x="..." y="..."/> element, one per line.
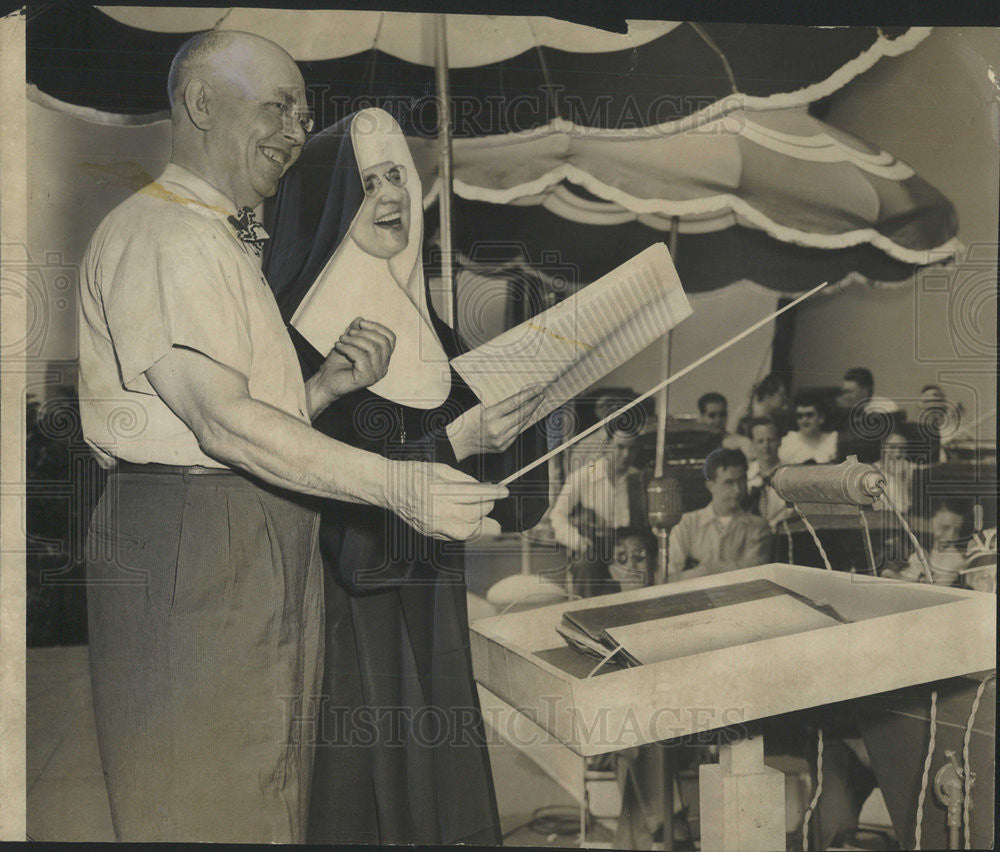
<point x="291" y="454"/>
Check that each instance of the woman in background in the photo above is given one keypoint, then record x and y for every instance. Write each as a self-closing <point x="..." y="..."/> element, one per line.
<point x="402" y="755"/>
<point x="811" y="441"/>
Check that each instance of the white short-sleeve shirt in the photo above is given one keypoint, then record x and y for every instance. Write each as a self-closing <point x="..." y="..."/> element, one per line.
<point x="596" y="487"/>
<point x="794" y="449"/>
<point x="165" y="268"/>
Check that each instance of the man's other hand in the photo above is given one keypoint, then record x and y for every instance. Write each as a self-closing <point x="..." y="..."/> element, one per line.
<point x="359" y="359"/>
<point x="441" y="502"/>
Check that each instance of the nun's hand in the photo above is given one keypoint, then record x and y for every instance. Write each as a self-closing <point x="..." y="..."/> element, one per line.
<point x="493" y="428"/>
<point x="359" y="358"/>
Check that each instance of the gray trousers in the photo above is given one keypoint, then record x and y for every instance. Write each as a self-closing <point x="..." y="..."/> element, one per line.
<point x="205" y="610"/>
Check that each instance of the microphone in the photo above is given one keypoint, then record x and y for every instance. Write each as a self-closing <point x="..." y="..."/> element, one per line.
<point x="664" y="510"/>
<point x="664" y="506"/>
<point x="849" y="482"/>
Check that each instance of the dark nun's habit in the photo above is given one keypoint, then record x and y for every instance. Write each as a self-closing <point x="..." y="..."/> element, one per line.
<point x="402" y="757"/>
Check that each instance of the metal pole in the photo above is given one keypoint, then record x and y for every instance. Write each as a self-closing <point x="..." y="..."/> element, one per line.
<point x="666" y="344"/>
<point x="661" y="405"/>
<point x="444" y="167"/>
<point x="667" y="802"/>
<point x="662" y="550"/>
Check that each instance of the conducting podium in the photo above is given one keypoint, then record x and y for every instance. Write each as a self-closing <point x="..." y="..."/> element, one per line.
<point x="722" y="651"/>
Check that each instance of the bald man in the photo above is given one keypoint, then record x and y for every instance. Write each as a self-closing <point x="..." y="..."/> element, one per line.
<point x="204" y="587"/>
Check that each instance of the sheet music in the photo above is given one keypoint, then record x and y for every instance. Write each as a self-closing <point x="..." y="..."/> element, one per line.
<point x="579" y="341"/>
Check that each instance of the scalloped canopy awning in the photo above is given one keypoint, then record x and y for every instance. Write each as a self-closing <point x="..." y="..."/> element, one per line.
<point x="625" y="143"/>
<point x="507" y="73"/>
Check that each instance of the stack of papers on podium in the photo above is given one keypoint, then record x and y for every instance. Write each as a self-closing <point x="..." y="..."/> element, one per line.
<point x="657" y="629"/>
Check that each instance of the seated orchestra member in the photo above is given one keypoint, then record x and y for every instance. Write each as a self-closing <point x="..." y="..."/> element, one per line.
<point x="768" y="399"/>
<point x="594" y="501"/>
<point x="720" y="537"/>
<point x="939" y="421"/>
<point x="713" y="412"/>
<point x="900" y="471"/>
<point x="947" y="551"/>
<point x="905" y="490"/>
<point x="867" y="419"/>
<point x="762" y="500"/>
<point x="811" y="442"/>
<point x="633" y="559"/>
<point x="598" y="442"/>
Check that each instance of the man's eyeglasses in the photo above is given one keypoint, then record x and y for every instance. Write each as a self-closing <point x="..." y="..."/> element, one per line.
<point x="396" y="175"/>
<point x="291" y="115"/>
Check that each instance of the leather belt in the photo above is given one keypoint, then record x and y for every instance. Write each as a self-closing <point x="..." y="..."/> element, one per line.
<point x="175" y="469"/>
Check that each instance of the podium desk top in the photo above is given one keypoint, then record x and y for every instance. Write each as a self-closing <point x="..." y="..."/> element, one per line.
<point x="899" y="634"/>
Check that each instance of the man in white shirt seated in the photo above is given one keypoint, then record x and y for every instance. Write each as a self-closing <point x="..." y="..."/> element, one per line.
<point x="597" y="498"/>
<point x="598" y="443"/>
<point x="605" y="494"/>
<point x="812" y="442"/>
<point x="720" y="537"/>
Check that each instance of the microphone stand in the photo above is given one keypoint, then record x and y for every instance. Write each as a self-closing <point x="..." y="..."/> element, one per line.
<point x="664" y="510"/>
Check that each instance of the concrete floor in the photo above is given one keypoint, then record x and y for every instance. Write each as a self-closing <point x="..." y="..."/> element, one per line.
<point x="66" y="795"/>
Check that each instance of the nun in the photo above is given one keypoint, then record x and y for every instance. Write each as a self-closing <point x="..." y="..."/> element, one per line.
<point x="401" y="754"/>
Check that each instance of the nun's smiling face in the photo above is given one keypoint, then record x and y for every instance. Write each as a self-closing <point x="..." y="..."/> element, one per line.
<point x="382" y="228"/>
